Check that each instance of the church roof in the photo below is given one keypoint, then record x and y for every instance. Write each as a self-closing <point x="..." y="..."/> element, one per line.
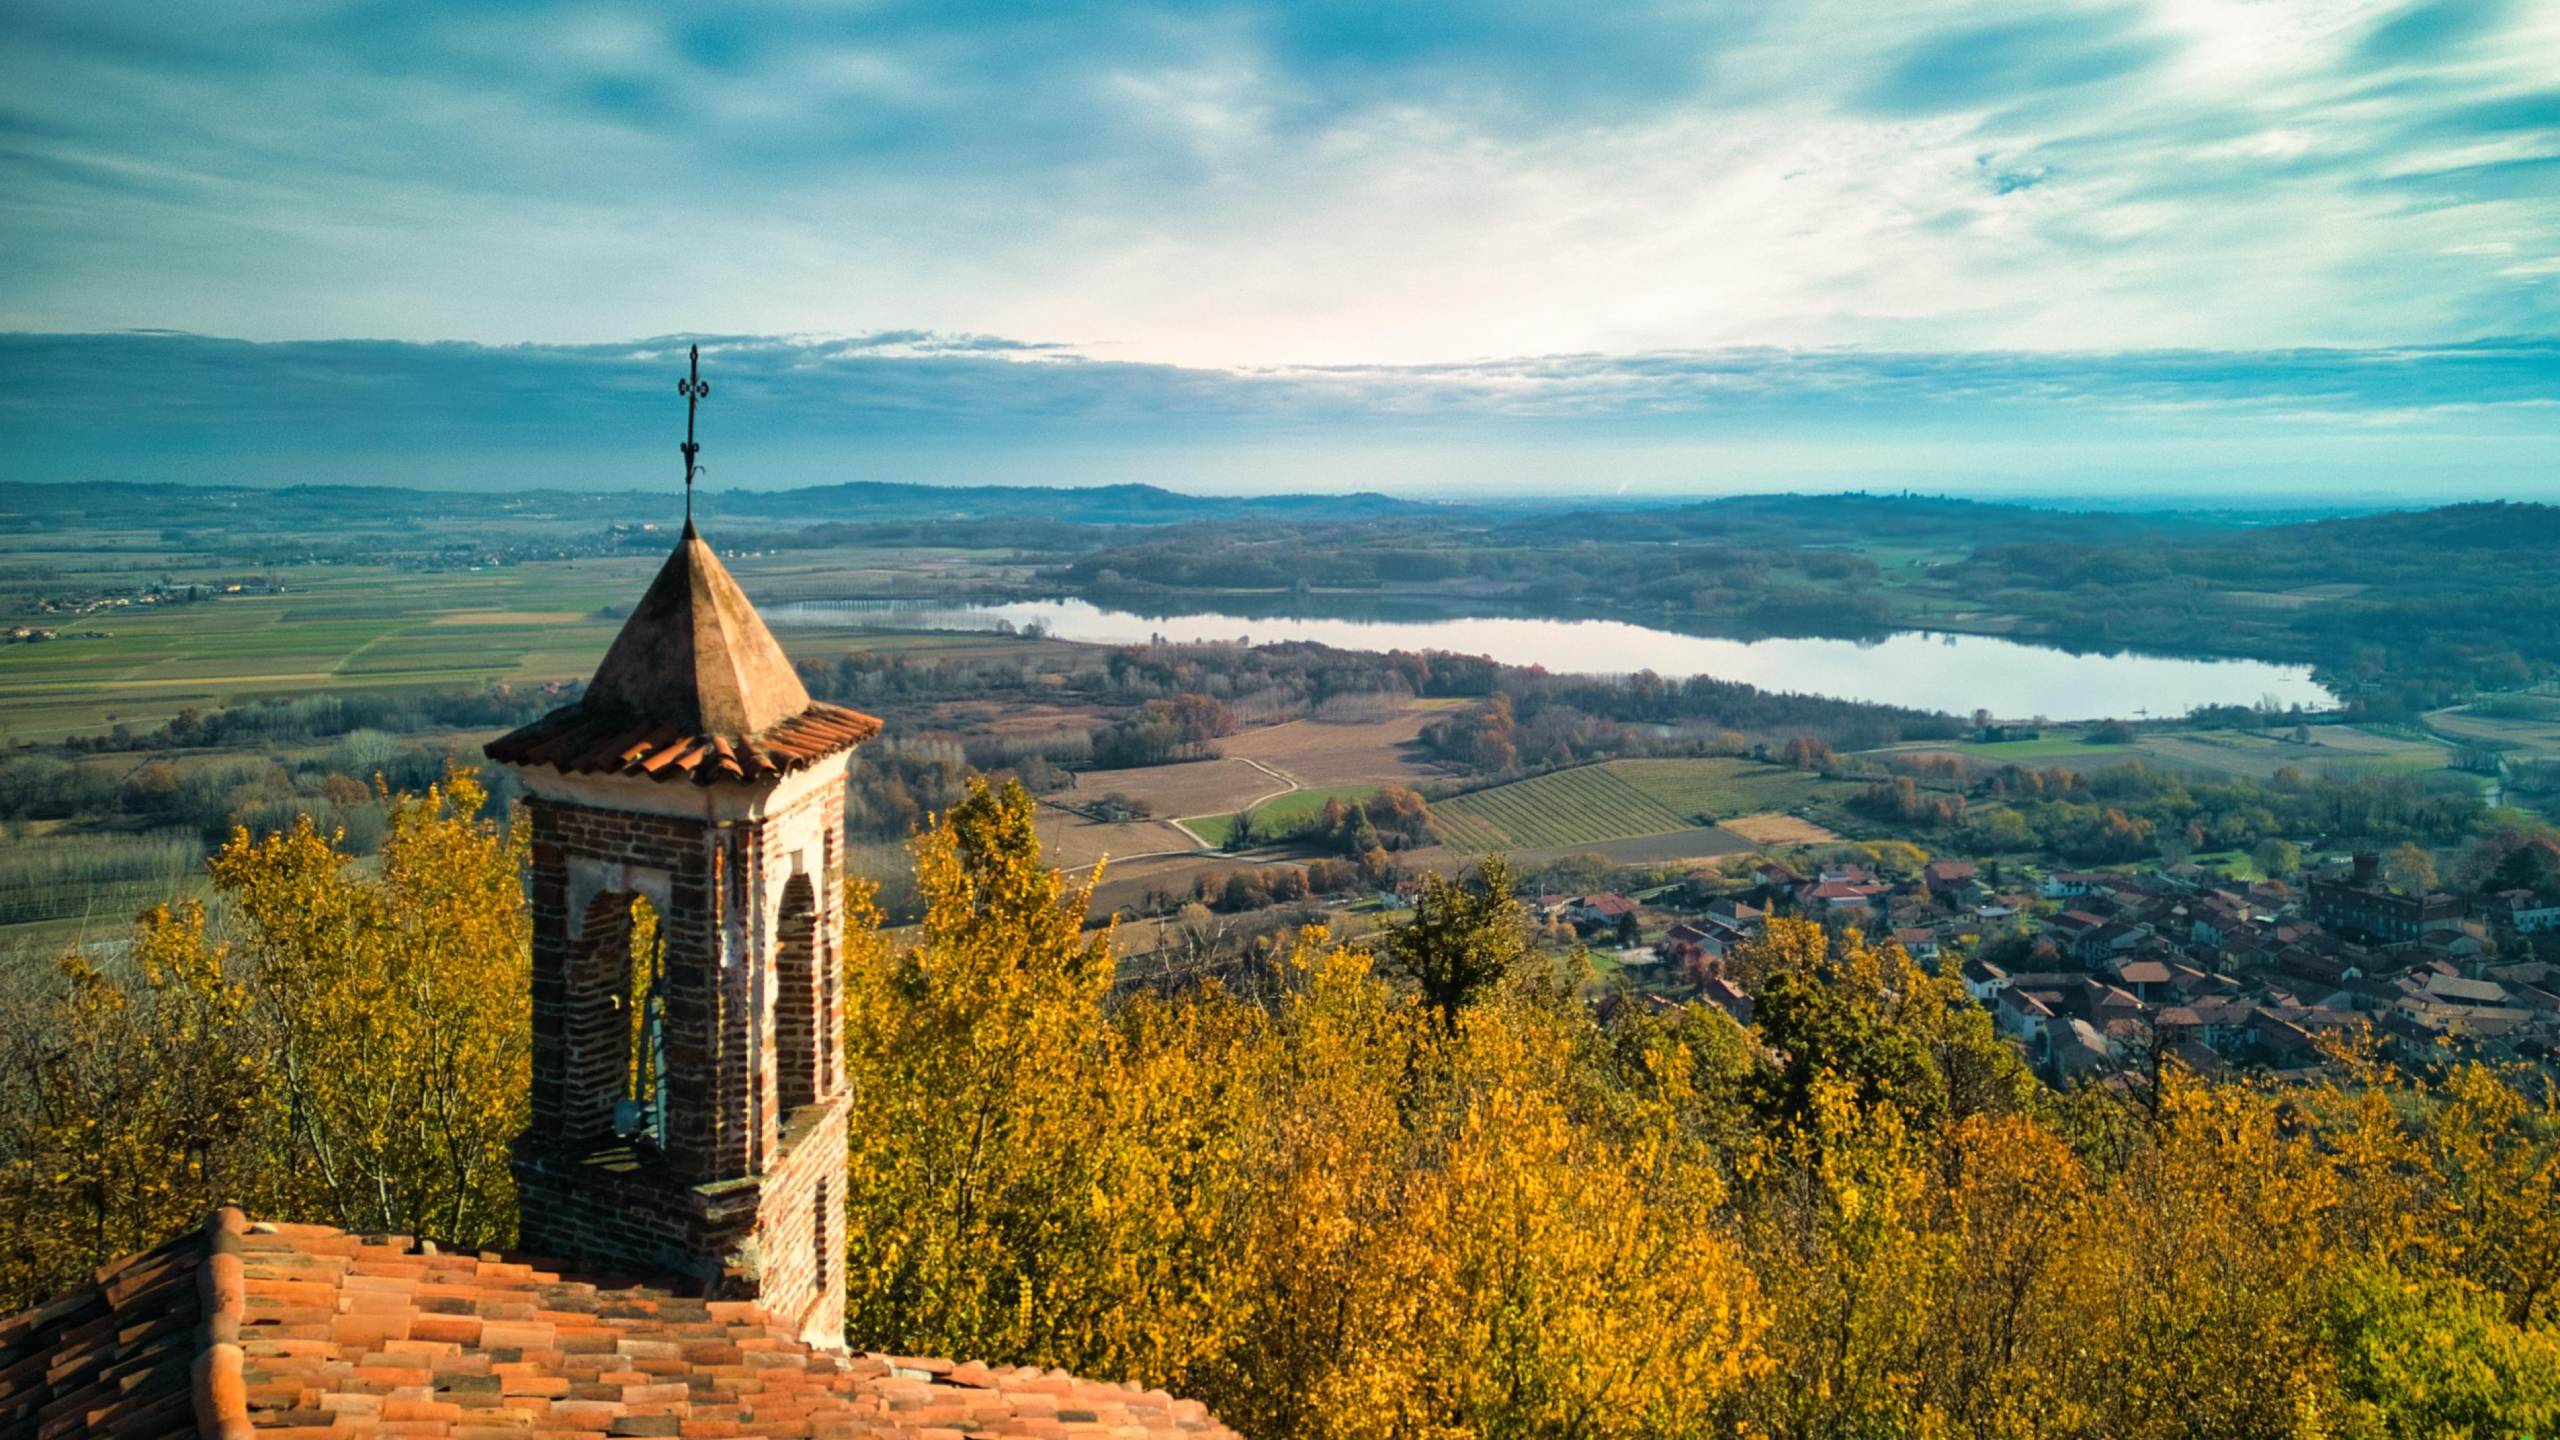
<point x="242" y="1329"/>
<point x="694" y="686"/>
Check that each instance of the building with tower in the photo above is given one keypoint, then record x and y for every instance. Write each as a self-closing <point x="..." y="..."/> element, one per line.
<point x="695" y="773"/>
<point x="683" y="1173"/>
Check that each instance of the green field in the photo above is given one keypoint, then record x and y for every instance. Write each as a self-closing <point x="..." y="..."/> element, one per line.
<point x="1277" y="813"/>
<point x="1545" y="812"/>
<point x="341" y="629"/>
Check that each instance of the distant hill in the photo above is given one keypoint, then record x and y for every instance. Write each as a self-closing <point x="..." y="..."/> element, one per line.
<point x="24" y="505"/>
<point x="1083" y="505"/>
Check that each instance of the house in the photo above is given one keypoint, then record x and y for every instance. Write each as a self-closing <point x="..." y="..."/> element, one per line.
<point x="706" y="779"/>
<point x="1940" y="875"/>
<point x="1694" y="948"/>
<point x="2145" y="976"/>
<point x="2453" y="990"/>
<point x="1984" y="981"/>
<point x="1733" y="912"/>
<point x="2071" y="925"/>
<point x="1604" y="909"/>
<point x="1919" y="942"/>
<point x="1838" y="895"/>
<point x="2361" y="907"/>
<point x="1728" y="997"/>
<point x="2077" y="1051"/>
<point x="2216" y="918"/>
<point x="1776" y="875"/>
<point x="2520" y="911"/>
<point x="2023" y="1013"/>
<point x="2069" y="884"/>
<point x="2284" y="1039"/>
<point x="2219" y="1023"/>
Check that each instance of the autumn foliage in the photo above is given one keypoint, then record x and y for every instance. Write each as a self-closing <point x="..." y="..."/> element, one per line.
<point x="351" y="1047"/>
<point x="1429" y="1192"/>
<point x="1426" y="1191"/>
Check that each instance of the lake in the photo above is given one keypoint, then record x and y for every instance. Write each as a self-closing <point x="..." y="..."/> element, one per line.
<point x="1926" y="670"/>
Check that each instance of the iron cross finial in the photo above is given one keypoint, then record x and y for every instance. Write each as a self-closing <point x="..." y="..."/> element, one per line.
<point x="695" y="390"/>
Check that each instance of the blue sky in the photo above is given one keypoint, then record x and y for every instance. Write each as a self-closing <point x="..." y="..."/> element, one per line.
<point x="2200" y="245"/>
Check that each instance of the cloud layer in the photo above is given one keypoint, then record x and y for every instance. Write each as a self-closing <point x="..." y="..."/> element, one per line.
<point x="911" y="405"/>
<point x="1268" y="185"/>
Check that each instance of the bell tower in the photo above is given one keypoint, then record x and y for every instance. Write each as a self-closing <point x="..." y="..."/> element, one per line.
<point x="688" y="1108"/>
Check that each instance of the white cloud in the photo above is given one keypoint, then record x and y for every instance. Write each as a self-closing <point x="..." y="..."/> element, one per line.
<point x="1265" y="186"/>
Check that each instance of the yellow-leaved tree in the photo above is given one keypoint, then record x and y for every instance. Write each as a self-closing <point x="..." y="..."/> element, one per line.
<point x="350" y="1045"/>
<point x="1348" y="1212"/>
<point x="131" y="1110"/>
<point x="1031" y="1177"/>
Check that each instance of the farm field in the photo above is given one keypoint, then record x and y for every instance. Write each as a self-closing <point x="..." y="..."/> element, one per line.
<point x="1716" y="788"/>
<point x="1613" y="806"/>
<point x="2214" y="752"/>
<point x="1125" y="888"/>
<point x="348" y="628"/>
<point x="1196" y="787"/>
<point x="2531" y="736"/>
<point x="1698" y="842"/>
<point x="1566" y="809"/>
<point x="1072" y="842"/>
<point x="1324" y="753"/>
<point x="2044" y="750"/>
<point x="1278" y="812"/>
<point x="2332" y="747"/>
<point x="1774" y="829"/>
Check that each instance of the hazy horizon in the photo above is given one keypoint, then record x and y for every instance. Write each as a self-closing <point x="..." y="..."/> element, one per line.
<point x="2290" y="248"/>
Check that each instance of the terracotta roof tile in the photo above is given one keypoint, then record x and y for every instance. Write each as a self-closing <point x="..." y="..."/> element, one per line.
<point x="579" y="742"/>
<point x="694" y="687"/>
<point x="246" y="1330"/>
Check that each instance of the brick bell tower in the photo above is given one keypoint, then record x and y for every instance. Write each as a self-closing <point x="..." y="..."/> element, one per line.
<point x="689" y="1098"/>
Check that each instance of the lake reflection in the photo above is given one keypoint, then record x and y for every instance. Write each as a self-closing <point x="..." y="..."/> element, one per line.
<point x="1927" y="670"/>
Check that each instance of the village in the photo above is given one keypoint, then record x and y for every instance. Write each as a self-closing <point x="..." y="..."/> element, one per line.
<point x="2096" y="976"/>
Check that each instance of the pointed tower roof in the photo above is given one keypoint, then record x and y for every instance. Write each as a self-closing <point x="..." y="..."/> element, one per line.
<point x="695" y="685"/>
<point x="696" y="655"/>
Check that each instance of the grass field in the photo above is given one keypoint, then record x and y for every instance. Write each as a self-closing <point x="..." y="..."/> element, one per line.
<point x="1277" y="813"/>
<point x="2528" y="736"/>
<point x="1672" y="847"/>
<point x="2333" y="748"/>
<point x="2047" y="750"/>
<point x="343" y="629"/>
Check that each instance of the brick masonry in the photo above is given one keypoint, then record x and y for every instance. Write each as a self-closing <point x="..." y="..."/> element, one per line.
<point x="743" y="1197"/>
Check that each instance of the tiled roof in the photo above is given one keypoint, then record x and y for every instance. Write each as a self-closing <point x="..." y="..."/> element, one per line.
<point x="695" y="687"/>
<point x="114" y="1357"/>
<point x="242" y="1330"/>
<point x="579" y="741"/>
